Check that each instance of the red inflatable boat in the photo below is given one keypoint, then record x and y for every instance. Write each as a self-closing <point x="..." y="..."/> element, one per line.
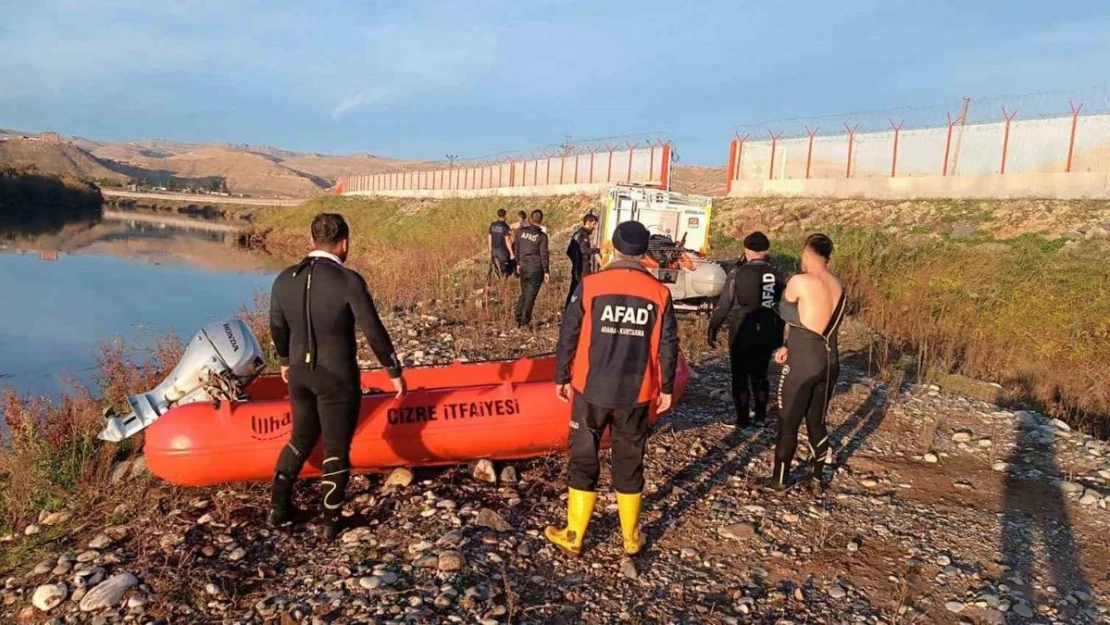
<point x="452" y="414"/>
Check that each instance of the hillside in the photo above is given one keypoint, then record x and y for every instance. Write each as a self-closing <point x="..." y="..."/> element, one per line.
<point x="244" y="172"/>
<point x="32" y="203"/>
<point x="58" y="159"/>
<point x="699" y="180"/>
<point x="332" y="167"/>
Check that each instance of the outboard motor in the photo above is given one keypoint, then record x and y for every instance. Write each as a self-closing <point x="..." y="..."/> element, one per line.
<point x="218" y="364"/>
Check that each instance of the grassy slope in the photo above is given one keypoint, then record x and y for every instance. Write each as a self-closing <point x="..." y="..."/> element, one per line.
<point x="412" y="249"/>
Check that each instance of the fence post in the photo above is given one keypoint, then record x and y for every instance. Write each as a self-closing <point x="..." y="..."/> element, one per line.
<point x="894" y="156"/>
<point x="651" y="161"/>
<point x="1071" y="141"/>
<point x="731" y="165"/>
<point x="948" y="141"/>
<point x="774" y="142"/>
<point x="576" y="168"/>
<point x="630" y="148"/>
<point x="809" y="150"/>
<point x="851" y="141"/>
<point x="592" y="151"/>
<point x="665" y="175"/>
<point x="1006" y="137"/>
<point x="609" y="173"/>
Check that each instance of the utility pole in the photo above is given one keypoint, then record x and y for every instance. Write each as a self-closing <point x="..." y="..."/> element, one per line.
<point x="451" y="159"/>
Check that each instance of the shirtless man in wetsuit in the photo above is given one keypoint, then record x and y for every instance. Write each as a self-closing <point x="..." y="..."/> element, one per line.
<point x="813" y="308"/>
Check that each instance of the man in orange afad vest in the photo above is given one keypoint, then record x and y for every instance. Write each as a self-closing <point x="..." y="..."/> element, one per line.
<point x="618" y="352"/>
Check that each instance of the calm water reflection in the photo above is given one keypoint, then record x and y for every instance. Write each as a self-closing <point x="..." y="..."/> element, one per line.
<point x="127" y="277"/>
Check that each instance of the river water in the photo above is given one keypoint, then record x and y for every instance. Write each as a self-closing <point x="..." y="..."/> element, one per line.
<point x="128" y="277"/>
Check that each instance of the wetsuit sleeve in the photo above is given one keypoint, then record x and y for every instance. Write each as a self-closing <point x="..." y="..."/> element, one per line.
<point x="724" y="305"/>
<point x="366" y="314"/>
<point x="668" y="349"/>
<point x="568" y="338"/>
<point x="544" y="258"/>
<point x="279" y="326"/>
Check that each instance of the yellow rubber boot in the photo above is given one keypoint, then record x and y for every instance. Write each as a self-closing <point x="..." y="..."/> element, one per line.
<point x="580" y="506"/>
<point x="628" y="506"/>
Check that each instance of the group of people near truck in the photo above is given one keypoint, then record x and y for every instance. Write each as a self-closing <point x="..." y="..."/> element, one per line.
<point x="616" y="360"/>
<point x="522" y="249"/>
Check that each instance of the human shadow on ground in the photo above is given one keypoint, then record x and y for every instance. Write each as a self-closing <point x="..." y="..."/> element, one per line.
<point x="1034" y="506"/>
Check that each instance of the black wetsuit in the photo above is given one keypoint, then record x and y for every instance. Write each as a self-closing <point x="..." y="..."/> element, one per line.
<point x="755" y="332"/>
<point x="499" y="250"/>
<point x="533" y="261"/>
<point x="581" y="252"/>
<point x="805" y="388"/>
<point x="314" y="308"/>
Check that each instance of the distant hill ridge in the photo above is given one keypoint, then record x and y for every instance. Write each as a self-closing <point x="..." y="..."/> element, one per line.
<point x="255" y="170"/>
<point x="245" y="169"/>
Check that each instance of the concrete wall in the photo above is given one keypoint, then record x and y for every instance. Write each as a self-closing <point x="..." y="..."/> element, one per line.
<point x="1074" y="185"/>
<point x="532" y="191"/>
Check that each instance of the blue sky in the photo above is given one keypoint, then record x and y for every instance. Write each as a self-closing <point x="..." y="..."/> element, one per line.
<point x="420" y="79"/>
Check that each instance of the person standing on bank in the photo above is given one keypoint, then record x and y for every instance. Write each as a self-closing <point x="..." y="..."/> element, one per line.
<point x="748" y="302"/>
<point x="813" y="309"/>
<point x="582" y="253"/>
<point x="533" y="266"/>
<point x="314" y="307"/>
<point x="616" y="361"/>
<point x="499" y="244"/>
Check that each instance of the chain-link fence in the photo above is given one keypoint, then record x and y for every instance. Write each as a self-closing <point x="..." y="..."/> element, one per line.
<point x="644" y="159"/>
<point x="1033" y="133"/>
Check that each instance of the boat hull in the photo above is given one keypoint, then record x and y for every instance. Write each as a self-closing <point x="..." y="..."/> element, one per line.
<point x="452" y="414"/>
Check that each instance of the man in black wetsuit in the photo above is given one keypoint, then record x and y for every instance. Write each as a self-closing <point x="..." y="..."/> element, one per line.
<point x="750" y="294"/>
<point x="498" y="243"/>
<point x="582" y="253"/>
<point x="810" y="359"/>
<point x="532" y="265"/>
<point x="314" y="308"/>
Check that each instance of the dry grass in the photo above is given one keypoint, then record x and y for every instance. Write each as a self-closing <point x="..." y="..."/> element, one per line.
<point x="427" y="251"/>
<point x="51" y="458"/>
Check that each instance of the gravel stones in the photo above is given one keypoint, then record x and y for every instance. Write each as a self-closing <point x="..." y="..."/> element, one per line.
<point x="451" y="561"/>
<point x="108" y="593"/>
<point x="490" y="519"/>
<point x="737" y="531"/>
<point x="398" y="478"/>
<point x="49" y="596"/>
<point x="484" y="472"/>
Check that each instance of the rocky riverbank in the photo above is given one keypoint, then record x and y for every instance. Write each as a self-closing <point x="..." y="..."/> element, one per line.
<point x="942" y="509"/>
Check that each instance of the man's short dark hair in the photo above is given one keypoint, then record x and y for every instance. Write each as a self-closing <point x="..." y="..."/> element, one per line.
<point x="522" y="214"/>
<point x="537" y="216"/>
<point x="821" y="245"/>
<point x="501" y="213"/>
<point x="757" y="242"/>
<point x="589" y="219"/>
<point x="328" y="229"/>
